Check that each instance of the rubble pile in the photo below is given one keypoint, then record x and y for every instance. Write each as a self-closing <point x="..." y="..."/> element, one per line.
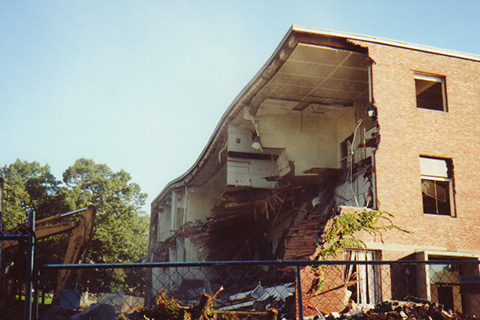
<point x="245" y="306"/>
<point x="402" y="310"/>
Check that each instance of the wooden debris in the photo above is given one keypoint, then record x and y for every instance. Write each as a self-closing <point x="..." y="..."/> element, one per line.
<point x="402" y="310"/>
<point x="198" y="311"/>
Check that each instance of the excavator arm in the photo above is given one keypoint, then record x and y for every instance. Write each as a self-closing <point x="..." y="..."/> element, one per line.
<point x="44" y="231"/>
<point x="77" y="246"/>
<point x="81" y="229"/>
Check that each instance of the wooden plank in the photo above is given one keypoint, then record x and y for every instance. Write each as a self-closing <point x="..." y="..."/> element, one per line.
<point x="329" y="171"/>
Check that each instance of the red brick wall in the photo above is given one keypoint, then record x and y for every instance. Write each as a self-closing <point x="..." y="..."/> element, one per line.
<point x="332" y="296"/>
<point x="407" y="132"/>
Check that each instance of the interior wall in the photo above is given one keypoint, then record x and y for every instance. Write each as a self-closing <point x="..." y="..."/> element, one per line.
<point x="310" y="140"/>
<point x="185" y="205"/>
<point x="201" y="199"/>
<point x="163" y="224"/>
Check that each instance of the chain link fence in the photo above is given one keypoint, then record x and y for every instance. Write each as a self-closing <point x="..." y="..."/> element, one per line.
<point x="252" y="289"/>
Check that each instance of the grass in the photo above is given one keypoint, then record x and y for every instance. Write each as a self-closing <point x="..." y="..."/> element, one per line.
<point x="48" y="297"/>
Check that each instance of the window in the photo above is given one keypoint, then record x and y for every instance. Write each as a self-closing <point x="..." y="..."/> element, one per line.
<point x="430" y="92"/>
<point x="363" y="280"/>
<point x="444" y="285"/>
<point x="453" y="283"/>
<point x="437" y="185"/>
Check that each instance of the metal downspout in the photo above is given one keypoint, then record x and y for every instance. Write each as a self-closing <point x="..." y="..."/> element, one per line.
<point x="374" y="167"/>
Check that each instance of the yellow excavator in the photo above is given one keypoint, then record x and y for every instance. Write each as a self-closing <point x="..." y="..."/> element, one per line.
<point x="81" y="232"/>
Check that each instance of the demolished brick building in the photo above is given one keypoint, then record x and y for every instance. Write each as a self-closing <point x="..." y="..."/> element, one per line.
<point x="336" y="120"/>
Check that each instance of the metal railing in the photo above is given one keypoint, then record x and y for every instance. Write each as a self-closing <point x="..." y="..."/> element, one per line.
<point x="242" y="289"/>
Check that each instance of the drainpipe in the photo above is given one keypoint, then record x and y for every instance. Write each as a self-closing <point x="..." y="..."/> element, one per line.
<point x="374" y="167"/>
<point x="370" y="85"/>
<point x="374" y="181"/>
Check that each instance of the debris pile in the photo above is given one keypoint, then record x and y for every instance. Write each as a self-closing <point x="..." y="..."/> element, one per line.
<point x="256" y="301"/>
<point x="168" y="308"/>
<point x="171" y="309"/>
<point x="400" y="310"/>
<point x="260" y="297"/>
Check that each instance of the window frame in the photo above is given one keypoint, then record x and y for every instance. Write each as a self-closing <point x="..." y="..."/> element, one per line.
<point x="440" y="177"/>
<point x="434" y="79"/>
<point x="367" y="288"/>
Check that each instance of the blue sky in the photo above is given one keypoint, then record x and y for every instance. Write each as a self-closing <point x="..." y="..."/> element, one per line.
<point x="141" y="85"/>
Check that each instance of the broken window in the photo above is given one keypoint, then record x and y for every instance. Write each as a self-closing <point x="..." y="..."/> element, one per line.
<point x="363" y="280"/>
<point x="430" y="92"/>
<point x="437" y="185"/>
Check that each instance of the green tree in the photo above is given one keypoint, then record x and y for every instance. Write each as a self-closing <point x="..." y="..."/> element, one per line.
<point x="121" y="227"/>
<point x="121" y="233"/>
<point x="28" y="185"/>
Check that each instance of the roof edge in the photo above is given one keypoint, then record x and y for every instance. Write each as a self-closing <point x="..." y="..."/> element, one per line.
<point x="388" y="42"/>
<point x="234" y="107"/>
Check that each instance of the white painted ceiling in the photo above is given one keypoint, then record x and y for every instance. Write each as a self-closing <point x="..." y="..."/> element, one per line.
<point x="315" y="75"/>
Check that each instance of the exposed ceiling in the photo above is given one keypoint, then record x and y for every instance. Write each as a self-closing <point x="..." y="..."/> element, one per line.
<point x="313" y="77"/>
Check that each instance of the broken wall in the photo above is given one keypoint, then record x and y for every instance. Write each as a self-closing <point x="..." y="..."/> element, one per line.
<point x="248" y="166"/>
<point x="360" y="137"/>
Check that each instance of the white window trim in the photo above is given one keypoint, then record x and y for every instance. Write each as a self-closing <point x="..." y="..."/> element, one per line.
<point x="425" y="77"/>
<point x="426" y="165"/>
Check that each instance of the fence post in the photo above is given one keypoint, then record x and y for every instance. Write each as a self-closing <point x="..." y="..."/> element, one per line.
<point x="299" y="293"/>
<point x="27" y="313"/>
<point x="36" y="289"/>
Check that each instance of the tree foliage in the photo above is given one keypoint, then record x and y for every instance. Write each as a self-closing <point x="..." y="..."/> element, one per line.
<point x="121" y="231"/>
<point x="121" y="227"/>
<point x="341" y="231"/>
<point x="340" y="234"/>
<point x="28" y="185"/>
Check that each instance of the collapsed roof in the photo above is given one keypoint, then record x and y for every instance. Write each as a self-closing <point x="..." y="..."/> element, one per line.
<point x="312" y="70"/>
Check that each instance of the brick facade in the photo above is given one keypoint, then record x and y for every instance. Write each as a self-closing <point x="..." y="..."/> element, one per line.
<point x="407" y="132"/>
